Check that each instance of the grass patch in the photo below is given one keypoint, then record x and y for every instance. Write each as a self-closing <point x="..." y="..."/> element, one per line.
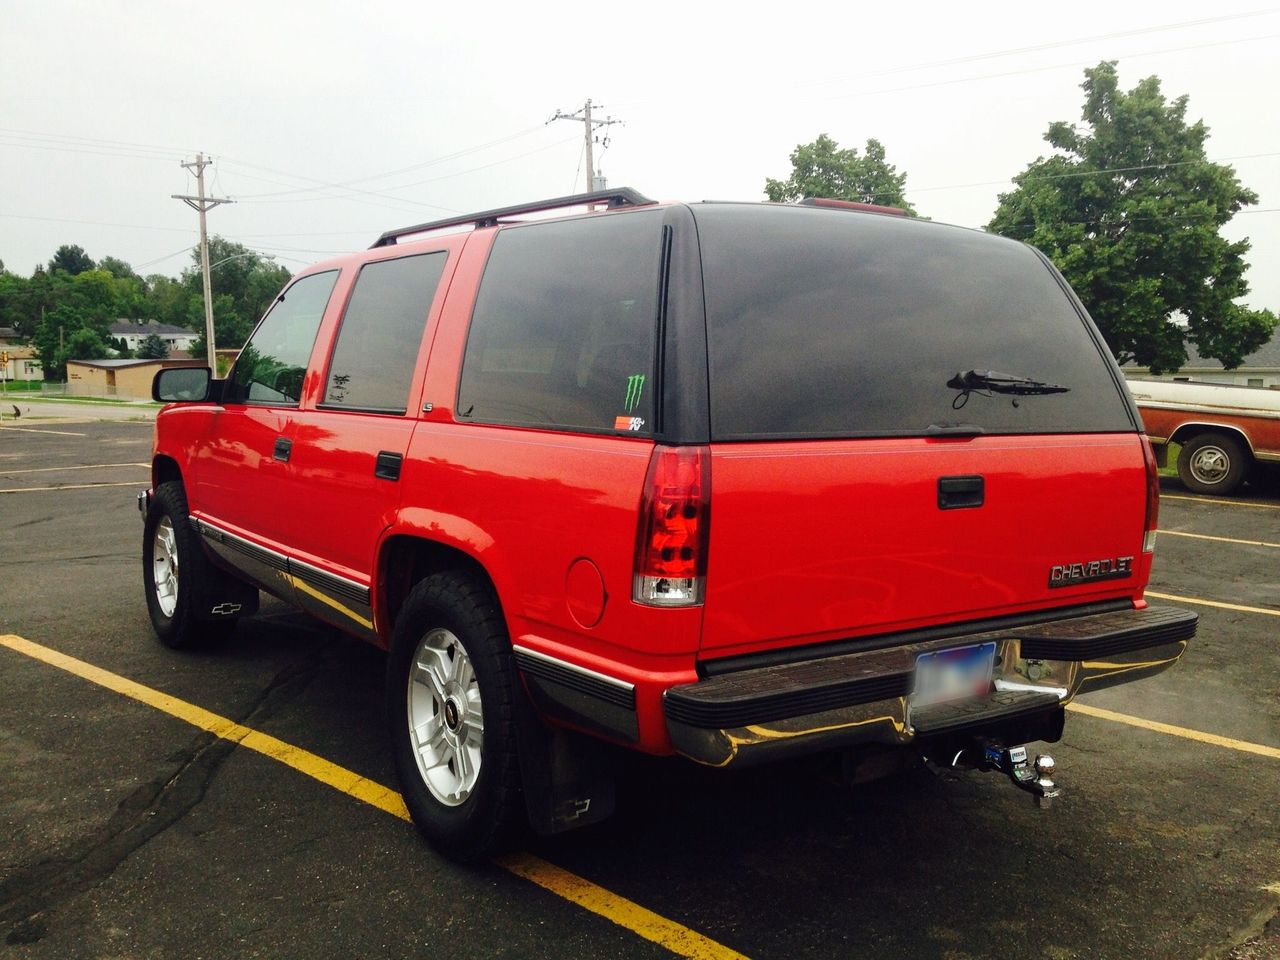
<point x="1172" y="469"/>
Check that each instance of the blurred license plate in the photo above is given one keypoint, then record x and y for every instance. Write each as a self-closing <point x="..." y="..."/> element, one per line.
<point x="953" y="674"/>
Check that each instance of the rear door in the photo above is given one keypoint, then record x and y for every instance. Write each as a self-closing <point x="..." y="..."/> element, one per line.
<point x="854" y="490"/>
<point x="348" y="447"/>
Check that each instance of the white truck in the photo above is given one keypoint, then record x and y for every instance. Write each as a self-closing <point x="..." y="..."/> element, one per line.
<point x="1225" y="431"/>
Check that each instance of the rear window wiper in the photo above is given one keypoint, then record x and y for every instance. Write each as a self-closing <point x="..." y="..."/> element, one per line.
<point x="993" y="382"/>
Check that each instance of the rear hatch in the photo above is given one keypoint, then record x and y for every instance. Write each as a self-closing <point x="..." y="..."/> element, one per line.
<point x="869" y="472"/>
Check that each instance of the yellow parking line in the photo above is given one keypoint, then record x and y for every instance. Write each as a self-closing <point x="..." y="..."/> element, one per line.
<point x="1229" y="503"/>
<point x="1198" y="735"/>
<point x="1267" y="611"/>
<point x="675" y="937"/>
<point x="1205" y="536"/>
<point x="70" y="486"/>
<point x="88" y="466"/>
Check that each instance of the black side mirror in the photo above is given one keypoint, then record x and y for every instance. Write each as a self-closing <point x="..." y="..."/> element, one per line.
<point x="182" y="385"/>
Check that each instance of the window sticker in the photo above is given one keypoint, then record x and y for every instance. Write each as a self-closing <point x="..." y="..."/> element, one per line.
<point x="635" y="387"/>
<point x="628" y="423"/>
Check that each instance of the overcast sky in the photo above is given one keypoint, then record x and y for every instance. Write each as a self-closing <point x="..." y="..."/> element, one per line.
<point x="100" y="101"/>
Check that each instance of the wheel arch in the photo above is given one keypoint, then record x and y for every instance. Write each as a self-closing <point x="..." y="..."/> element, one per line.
<point x="164" y="469"/>
<point x="408" y="554"/>
<point x="1193" y="428"/>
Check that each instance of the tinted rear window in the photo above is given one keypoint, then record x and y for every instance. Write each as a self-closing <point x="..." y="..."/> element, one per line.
<point x="563" y="333"/>
<point x="824" y="323"/>
<point x="377" y="345"/>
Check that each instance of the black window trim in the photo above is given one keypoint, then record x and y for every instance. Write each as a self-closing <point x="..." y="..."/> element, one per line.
<point x="337" y="336"/>
<point x="647" y="435"/>
<point x="231" y="374"/>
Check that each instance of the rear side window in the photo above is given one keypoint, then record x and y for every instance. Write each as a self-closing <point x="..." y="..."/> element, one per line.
<point x="563" y="333"/>
<point x="824" y="323"/>
<point x="271" y="367"/>
<point x="377" y="346"/>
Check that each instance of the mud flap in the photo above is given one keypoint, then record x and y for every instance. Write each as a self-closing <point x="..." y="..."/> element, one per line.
<point x="567" y="777"/>
<point x="223" y="596"/>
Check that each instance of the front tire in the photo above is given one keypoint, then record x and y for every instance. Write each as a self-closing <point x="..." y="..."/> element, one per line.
<point x="173" y="569"/>
<point x="450" y="717"/>
<point x="1213" y="463"/>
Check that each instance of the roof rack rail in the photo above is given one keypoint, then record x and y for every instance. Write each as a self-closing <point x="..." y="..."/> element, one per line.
<point x="851" y="205"/>
<point x="621" y="197"/>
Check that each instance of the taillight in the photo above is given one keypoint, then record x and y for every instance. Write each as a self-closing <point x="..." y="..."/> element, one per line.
<point x="675" y="511"/>
<point x="1153" y="497"/>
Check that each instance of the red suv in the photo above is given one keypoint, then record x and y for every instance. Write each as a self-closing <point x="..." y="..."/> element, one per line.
<point x="733" y="481"/>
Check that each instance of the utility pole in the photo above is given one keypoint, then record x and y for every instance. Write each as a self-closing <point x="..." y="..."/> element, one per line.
<point x="201" y="204"/>
<point x="590" y="126"/>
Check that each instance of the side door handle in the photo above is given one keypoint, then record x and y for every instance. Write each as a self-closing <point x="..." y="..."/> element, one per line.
<point x="284" y="447"/>
<point x="387" y="466"/>
<point x="958" y="493"/>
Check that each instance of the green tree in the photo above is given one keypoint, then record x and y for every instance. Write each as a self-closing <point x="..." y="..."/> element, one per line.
<point x="152" y="347"/>
<point x="51" y="335"/>
<point x="1130" y="209"/>
<point x="117" y="268"/>
<point x="85" y="344"/>
<point x="823" y="169"/>
<point x="229" y="328"/>
<point x="71" y="258"/>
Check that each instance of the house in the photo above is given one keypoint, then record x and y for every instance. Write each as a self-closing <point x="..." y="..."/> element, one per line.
<point x="133" y="332"/>
<point x="122" y="379"/>
<point x="1260" y="369"/>
<point x="17" y="360"/>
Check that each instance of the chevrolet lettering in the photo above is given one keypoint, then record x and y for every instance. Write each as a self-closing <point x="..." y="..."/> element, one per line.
<point x="1070" y="574"/>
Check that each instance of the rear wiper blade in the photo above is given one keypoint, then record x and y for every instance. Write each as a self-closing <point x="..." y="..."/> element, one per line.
<point x="1002" y="383"/>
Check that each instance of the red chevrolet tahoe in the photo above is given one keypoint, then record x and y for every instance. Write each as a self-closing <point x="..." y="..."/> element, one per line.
<point x="727" y="480"/>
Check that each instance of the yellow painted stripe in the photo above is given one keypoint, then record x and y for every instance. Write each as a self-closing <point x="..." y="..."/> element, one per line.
<point x="679" y="939"/>
<point x="53" y="433"/>
<point x="70" y="486"/>
<point x="88" y="466"/>
<point x="1198" y="735"/>
<point x="675" y="937"/>
<point x="301" y="760"/>
<point x="1205" y="536"/>
<point x="1228" y="503"/>
<point x="1267" y="611"/>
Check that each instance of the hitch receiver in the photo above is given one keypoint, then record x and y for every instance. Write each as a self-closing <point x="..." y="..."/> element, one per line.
<point x="1036" y="779"/>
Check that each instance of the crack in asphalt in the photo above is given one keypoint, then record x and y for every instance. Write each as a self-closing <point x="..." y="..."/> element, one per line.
<point x="27" y="898"/>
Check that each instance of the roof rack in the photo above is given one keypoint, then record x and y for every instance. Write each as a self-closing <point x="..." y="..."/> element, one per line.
<point x="622" y="197"/>
<point x="851" y="205"/>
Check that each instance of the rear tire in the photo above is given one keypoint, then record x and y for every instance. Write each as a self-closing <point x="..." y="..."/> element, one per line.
<point x="450" y="717"/>
<point x="1213" y="463"/>
<point x="173" y="568"/>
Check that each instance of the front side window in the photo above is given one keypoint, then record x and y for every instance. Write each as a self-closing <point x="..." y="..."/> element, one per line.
<point x="565" y="324"/>
<point x="272" y="365"/>
<point x="377" y="346"/>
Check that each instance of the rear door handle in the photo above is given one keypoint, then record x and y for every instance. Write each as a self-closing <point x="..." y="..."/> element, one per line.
<point x="284" y="447"/>
<point x="387" y="466"/>
<point x="958" y="493"/>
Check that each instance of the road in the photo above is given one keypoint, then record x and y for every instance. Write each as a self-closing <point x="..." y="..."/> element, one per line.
<point x="131" y="831"/>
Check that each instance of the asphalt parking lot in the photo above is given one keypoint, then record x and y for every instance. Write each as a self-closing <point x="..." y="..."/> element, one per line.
<point x="128" y="829"/>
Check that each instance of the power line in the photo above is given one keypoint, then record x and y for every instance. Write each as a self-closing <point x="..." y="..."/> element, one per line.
<point x="1043" y="69"/>
<point x="390" y="173"/>
<point x="589" y="128"/>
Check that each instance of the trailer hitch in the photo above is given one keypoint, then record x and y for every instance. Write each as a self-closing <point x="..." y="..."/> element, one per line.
<point x="1036" y="778"/>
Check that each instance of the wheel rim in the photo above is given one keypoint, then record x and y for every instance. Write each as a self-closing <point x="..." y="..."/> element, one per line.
<point x="1210" y="465"/>
<point x="164" y="566"/>
<point x="446" y="718"/>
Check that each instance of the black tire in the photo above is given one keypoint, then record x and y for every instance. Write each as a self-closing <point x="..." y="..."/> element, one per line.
<point x="485" y="818"/>
<point x="179" y="627"/>
<point x="1213" y="463"/>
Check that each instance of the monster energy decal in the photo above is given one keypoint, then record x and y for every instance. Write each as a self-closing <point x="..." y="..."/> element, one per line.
<point x="635" y="387"/>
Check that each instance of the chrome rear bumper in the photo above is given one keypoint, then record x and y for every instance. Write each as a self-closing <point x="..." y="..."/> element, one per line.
<point x="865" y="698"/>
